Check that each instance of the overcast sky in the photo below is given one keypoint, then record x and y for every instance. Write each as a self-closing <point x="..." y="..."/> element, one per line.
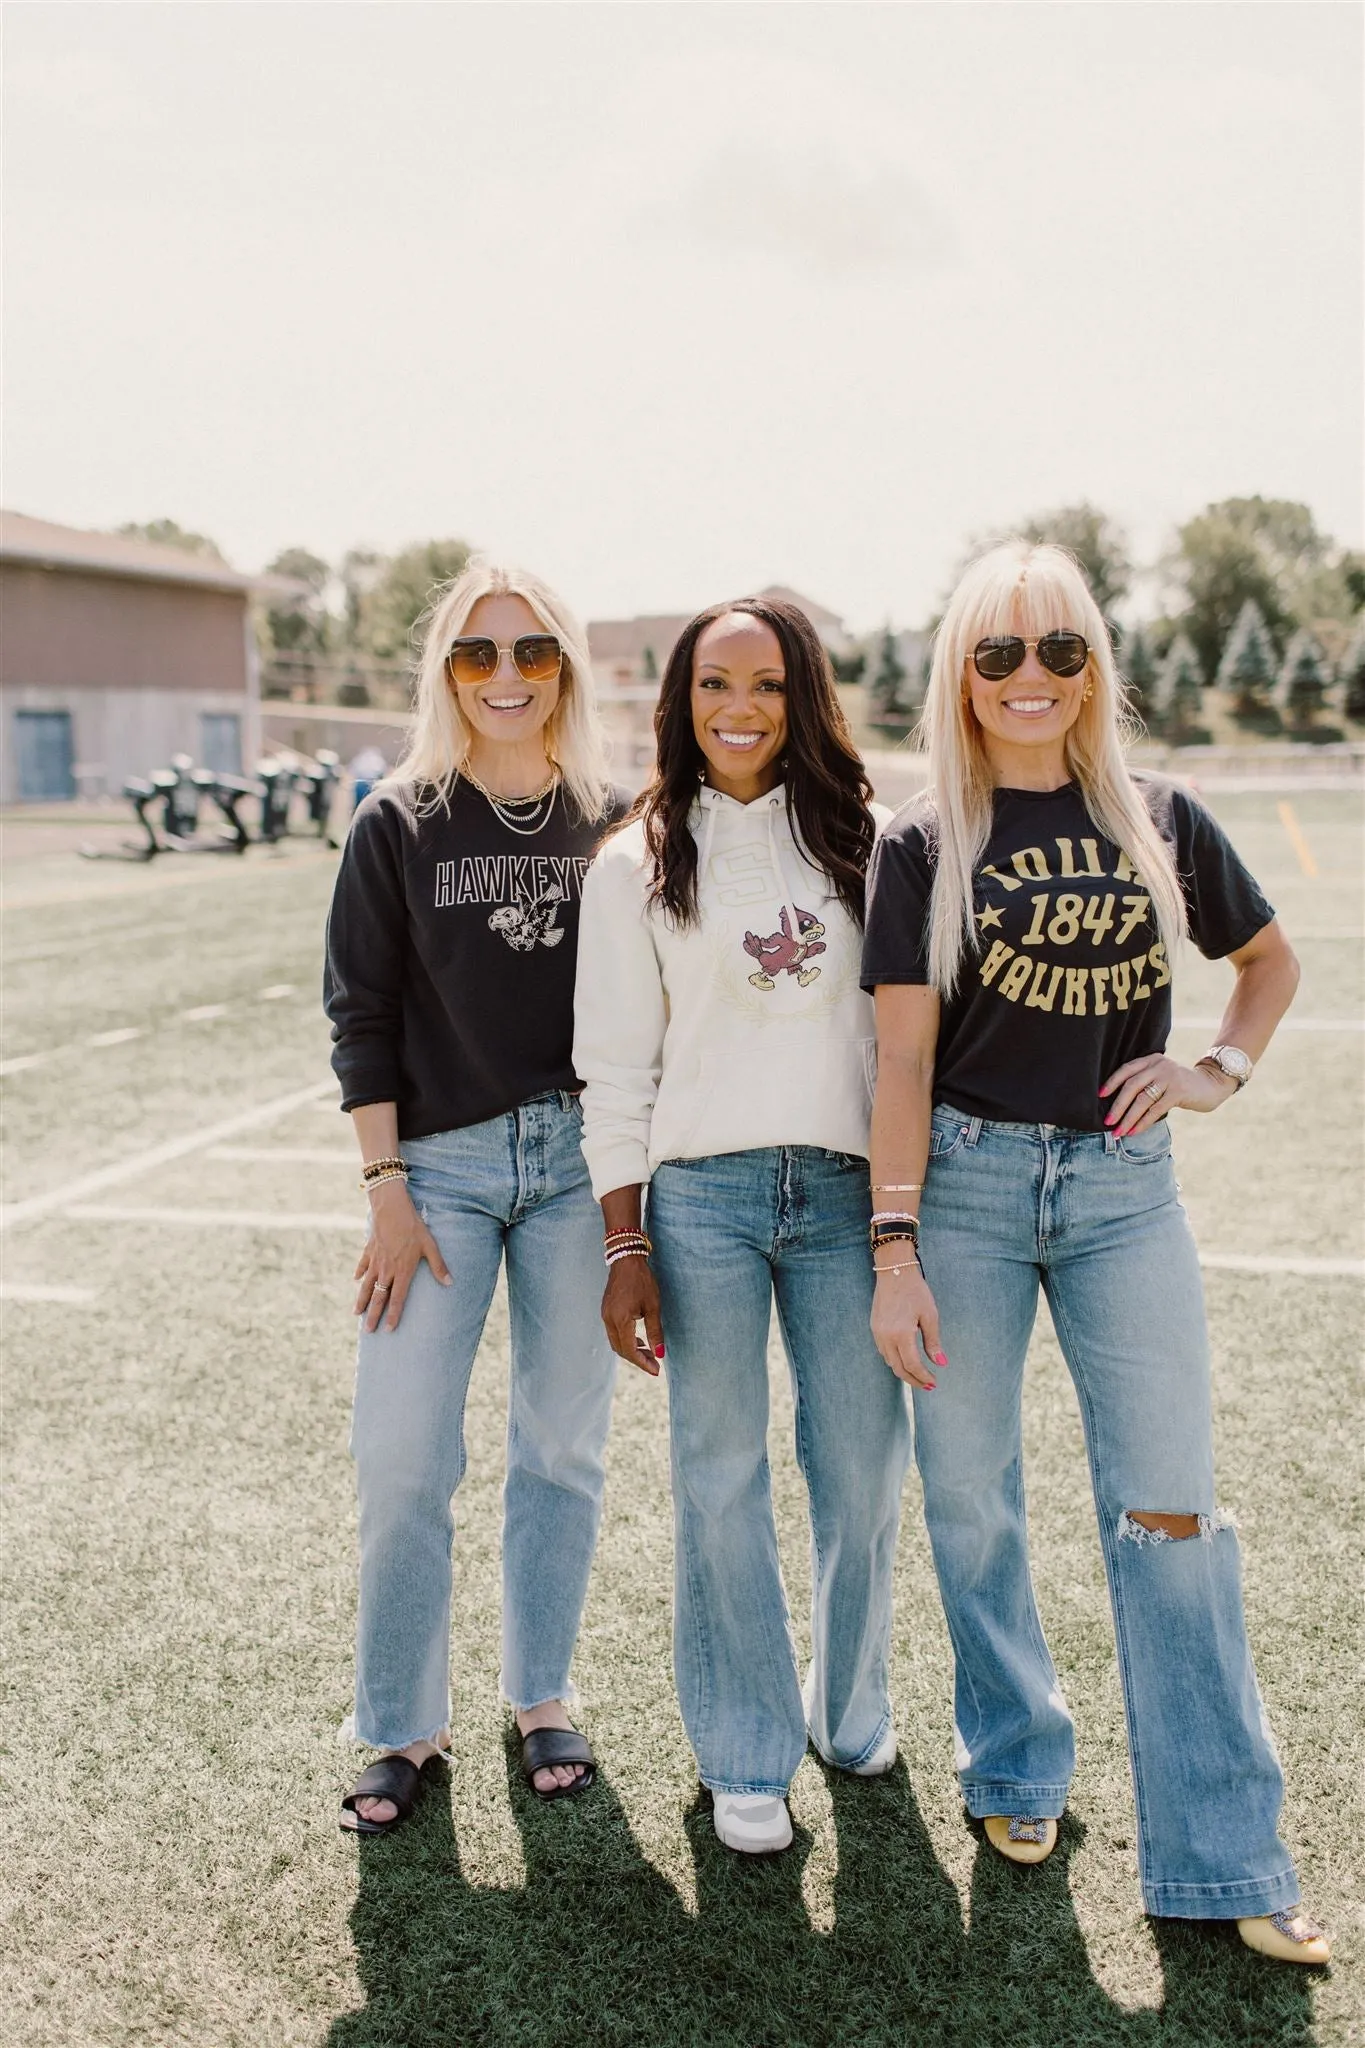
<point x="670" y="301"/>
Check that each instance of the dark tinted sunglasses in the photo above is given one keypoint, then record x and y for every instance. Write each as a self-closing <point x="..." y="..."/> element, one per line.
<point x="536" y="657"/>
<point x="1061" y="654"/>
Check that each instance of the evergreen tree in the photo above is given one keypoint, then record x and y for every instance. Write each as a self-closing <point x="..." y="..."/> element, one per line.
<point x="1301" y="688"/>
<point x="1247" y="668"/>
<point x="889" y="681"/>
<point x="649" y="666"/>
<point x="300" y="624"/>
<point x="1353" y="678"/>
<point x="1138" y="666"/>
<point x="1179" y="695"/>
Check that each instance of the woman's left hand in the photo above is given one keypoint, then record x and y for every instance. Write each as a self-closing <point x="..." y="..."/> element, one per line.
<point x="1145" y="1089"/>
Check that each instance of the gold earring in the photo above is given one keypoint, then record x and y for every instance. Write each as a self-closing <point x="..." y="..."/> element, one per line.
<point x="1087" y="693"/>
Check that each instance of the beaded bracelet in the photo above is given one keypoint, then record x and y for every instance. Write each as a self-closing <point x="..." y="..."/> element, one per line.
<point x="373" y="1168"/>
<point x="377" y="1180"/>
<point x="893" y="1216"/>
<point x="907" y="1266"/>
<point x="627" y="1251"/>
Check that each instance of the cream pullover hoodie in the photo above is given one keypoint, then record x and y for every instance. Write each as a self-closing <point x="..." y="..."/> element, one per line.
<point x="745" y="1029"/>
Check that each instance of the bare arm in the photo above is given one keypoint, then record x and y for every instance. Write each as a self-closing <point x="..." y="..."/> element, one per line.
<point x="399" y="1240"/>
<point x="903" y="1310"/>
<point x="632" y="1294"/>
<point x="1267" y="976"/>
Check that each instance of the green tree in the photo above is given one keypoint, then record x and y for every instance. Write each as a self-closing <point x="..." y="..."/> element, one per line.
<point x="301" y="624"/>
<point x="886" y="686"/>
<point x="1302" y="685"/>
<point x="361" y="572"/>
<point x="1180" y="689"/>
<point x="1246" y="670"/>
<point x="1353" y="678"/>
<point x="1268" y="549"/>
<point x="851" y="667"/>
<point x="402" y="590"/>
<point x="649" y="665"/>
<point x="169" y="533"/>
<point x="1138" y="666"/>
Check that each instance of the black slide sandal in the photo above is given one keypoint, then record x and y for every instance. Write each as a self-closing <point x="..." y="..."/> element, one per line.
<point x="545" y="1747"/>
<point x="394" y="1778"/>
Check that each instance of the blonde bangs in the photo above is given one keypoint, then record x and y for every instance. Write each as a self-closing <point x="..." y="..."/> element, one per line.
<point x="1032" y="590"/>
<point x="439" y="741"/>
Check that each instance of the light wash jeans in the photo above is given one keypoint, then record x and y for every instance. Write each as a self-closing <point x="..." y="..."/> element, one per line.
<point x="514" y="1186"/>
<point x="1096" y="1220"/>
<point x="729" y="1232"/>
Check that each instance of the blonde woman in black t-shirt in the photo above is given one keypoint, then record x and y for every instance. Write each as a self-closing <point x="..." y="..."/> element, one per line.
<point x="1022" y="922"/>
<point x="450" y="972"/>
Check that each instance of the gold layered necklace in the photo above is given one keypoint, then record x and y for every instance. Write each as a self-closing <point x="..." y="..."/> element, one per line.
<point x="519" y="813"/>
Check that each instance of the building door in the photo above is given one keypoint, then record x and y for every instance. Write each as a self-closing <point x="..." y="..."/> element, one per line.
<point x="43" y="747"/>
<point x="220" y="734"/>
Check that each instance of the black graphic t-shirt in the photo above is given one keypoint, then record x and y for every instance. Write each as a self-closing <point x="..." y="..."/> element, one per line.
<point x="451" y="948"/>
<point x="1069" y="977"/>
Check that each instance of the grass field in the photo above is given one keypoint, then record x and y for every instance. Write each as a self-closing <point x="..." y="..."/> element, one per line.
<point x="180" y="1569"/>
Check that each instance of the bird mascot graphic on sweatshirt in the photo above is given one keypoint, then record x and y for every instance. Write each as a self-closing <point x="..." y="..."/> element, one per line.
<point x="785" y="952"/>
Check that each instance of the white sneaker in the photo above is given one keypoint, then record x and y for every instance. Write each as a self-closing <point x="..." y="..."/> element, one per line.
<point x="882" y="1759"/>
<point x="753" y="1822"/>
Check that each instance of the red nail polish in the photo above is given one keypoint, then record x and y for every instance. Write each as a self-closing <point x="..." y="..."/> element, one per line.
<point x="930" y="1385"/>
<point x="658" y="1350"/>
<point x="1109" y="1119"/>
<point x="940" y="1358"/>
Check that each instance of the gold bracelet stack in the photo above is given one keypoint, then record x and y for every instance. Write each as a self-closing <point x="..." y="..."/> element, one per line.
<point x="375" y="1172"/>
<point x="626" y="1244"/>
<point x="895" y="1226"/>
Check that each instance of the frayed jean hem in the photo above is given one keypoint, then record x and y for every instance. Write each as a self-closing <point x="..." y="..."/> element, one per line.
<point x="749" y="1791"/>
<point x="1250" y="1898"/>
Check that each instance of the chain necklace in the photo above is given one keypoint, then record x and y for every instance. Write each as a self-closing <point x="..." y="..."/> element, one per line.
<point x="525" y="825"/>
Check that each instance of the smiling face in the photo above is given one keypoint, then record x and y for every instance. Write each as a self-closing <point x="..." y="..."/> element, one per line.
<point x="739" y="705"/>
<point x="506" y="709"/>
<point x="1025" y="718"/>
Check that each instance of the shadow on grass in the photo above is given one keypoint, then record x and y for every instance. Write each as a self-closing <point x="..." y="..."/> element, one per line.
<point x="598" y="1948"/>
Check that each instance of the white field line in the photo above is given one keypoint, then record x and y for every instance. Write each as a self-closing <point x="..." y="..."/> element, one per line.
<point x="275" y="992"/>
<point x="26" y="1290"/>
<point x="161" y="1155"/>
<point x="19" y="956"/>
<point x="289" y="1155"/>
<point x="221" y="1219"/>
<point x="203" y="1014"/>
<point x="123" y="1036"/>
<point x="22" y="1061"/>
<point x="1274" y="1262"/>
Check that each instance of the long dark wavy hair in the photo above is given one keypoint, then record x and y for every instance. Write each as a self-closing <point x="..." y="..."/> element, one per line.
<point x="827" y="788"/>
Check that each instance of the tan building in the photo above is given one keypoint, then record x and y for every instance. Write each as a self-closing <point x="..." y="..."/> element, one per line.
<point x="116" y="654"/>
<point x="628" y="658"/>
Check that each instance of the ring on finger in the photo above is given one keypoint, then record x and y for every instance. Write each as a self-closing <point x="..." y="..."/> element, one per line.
<point x="382" y="1286"/>
<point x="1155" y="1090"/>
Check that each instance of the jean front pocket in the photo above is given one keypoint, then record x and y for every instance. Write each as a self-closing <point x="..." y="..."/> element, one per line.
<point x="946" y="1136"/>
<point x="1149" y="1147"/>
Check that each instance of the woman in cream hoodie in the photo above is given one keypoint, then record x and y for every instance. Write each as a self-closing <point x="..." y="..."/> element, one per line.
<point x="726" y="1051"/>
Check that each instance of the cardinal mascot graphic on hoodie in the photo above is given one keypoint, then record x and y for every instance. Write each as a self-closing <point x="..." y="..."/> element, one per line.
<point x="783" y="953"/>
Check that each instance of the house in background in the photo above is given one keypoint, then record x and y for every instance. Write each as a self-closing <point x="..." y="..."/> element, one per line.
<point x="116" y="654"/>
<point x="629" y="655"/>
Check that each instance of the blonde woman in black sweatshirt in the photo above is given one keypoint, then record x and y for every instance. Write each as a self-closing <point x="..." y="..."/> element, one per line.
<point x="451" y="949"/>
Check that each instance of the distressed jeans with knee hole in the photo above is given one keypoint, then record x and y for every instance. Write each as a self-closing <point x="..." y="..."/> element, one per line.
<point x="1096" y="1222"/>
<point x="515" y="1187"/>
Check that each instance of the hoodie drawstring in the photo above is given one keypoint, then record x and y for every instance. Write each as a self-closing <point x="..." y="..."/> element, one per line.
<point x="793" y="914"/>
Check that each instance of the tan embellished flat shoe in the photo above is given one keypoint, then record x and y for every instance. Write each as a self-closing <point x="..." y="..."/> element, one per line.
<point x="1019" y="1839"/>
<point x="1288" y="1937"/>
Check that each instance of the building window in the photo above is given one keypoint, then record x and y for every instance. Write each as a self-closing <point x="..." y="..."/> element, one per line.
<point x="43" y="747"/>
<point x="220" y="741"/>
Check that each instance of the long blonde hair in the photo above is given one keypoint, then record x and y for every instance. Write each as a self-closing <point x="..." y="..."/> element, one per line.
<point x="1022" y="588"/>
<point x="438" y="744"/>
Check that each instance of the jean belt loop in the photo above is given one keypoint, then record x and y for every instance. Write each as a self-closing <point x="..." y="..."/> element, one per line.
<point x="1111" y="1142"/>
<point x="974" y="1130"/>
<point x="565" y="1098"/>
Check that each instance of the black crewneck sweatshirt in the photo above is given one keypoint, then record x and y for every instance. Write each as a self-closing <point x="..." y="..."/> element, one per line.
<point x="452" y="943"/>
